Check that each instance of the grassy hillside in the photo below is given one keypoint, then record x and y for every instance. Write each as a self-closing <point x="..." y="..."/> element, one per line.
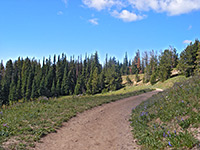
<point x="132" y="77"/>
<point x="170" y="82"/>
<point x="162" y="85"/>
<point x="23" y="124"/>
<point x="170" y="119"/>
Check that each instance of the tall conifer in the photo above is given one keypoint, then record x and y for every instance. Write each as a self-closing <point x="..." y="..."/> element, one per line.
<point x="25" y="75"/>
<point x="65" y="82"/>
<point x="95" y="79"/>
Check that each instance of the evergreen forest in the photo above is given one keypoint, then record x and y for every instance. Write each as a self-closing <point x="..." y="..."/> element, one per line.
<point x="27" y="79"/>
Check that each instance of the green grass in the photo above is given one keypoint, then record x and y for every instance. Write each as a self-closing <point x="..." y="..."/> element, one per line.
<point x="127" y="89"/>
<point x="170" y="82"/>
<point x="27" y="122"/>
<point x="161" y="85"/>
<point x="169" y="119"/>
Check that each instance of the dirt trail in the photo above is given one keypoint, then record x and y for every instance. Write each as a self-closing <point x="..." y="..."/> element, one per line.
<point x="105" y="127"/>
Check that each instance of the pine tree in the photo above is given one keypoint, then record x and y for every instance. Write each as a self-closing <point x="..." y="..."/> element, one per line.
<point x="49" y="81"/>
<point x="137" y="78"/>
<point x="59" y="72"/>
<point x="1" y="71"/>
<point x="53" y="90"/>
<point x="58" y="88"/>
<point x="165" y="65"/>
<point x="118" y="78"/>
<point x="147" y="74"/>
<point x="142" y="66"/>
<point x="146" y="58"/>
<point x="154" y="61"/>
<point x="106" y="65"/>
<point x="18" y="88"/>
<point x="77" y="90"/>
<point x="54" y="69"/>
<point x="12" y="92"/>
<point x="174" y="57"/>
<point x="65" y="83"/>
<point x="9" y="72"/>
<point x="72" y="77"/>
<point x="70" y="83"/>
<point x="38" y="78"/>
<point x="84" y="76"/>
<point x="89" y="85"/>
<point x="125" y="65"/>
<point x="147" y="68"/>
<point x="197" y="62"/>
<point x="77" y="67"/>
<point x="102" y="80"/>
<point x="34" y="90"/>
<point x="87" y="72"/>
<point x="25" y="75"/>
<point x="43" y="67"/>
<point x="188" y="58"/>
<point x="137" y="62"/>
<point x="42" y="90"/>
<point x="1" y="77"/>
<point x="139" y="65"/>
<point x="113" y="77"/>
<point x="29" y="86"/>
<point x="153" y="78"/>
<point x="133" y="67"/>
<point x="95" y="86"/>
<point x="4" y="93"/>
<point x="1" y="95"/>
<point x="109" y="80"/>
<point x="19" y="78"/>
<point x="151" y="66"/>
<point x="7" y="81"/>
<point x="15" y="73"/>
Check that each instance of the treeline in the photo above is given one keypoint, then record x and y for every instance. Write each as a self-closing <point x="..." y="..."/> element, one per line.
<point x="153" y="66"/>
<point x="159" y="67"/>
<point x="29" y="79"/>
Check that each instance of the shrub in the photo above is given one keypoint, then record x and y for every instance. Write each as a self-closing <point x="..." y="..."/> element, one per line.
<point x="153" y="78"/>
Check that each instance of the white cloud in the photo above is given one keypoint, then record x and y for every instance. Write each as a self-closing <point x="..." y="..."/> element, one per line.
<point x="187" y="42"/>
<point x="59" y="13"/>
<point x="127" y="16"/>
<point x="144" y="5"/>
<point x="177" y="7"/>
<point x="131" y="10"/>
<point x="172" y="7"/>
<point x="94" y="21"/>
<point x="102" y="4"/>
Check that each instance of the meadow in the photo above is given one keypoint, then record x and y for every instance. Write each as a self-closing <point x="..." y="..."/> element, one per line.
<point x="170" y="119"/>
<point x="23" y="124"/>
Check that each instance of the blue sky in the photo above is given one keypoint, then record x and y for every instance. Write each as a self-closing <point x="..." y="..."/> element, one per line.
<point x="37" y="28"/>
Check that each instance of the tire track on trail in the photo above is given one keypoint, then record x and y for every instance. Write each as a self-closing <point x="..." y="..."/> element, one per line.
<point x="104" y="127"/>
